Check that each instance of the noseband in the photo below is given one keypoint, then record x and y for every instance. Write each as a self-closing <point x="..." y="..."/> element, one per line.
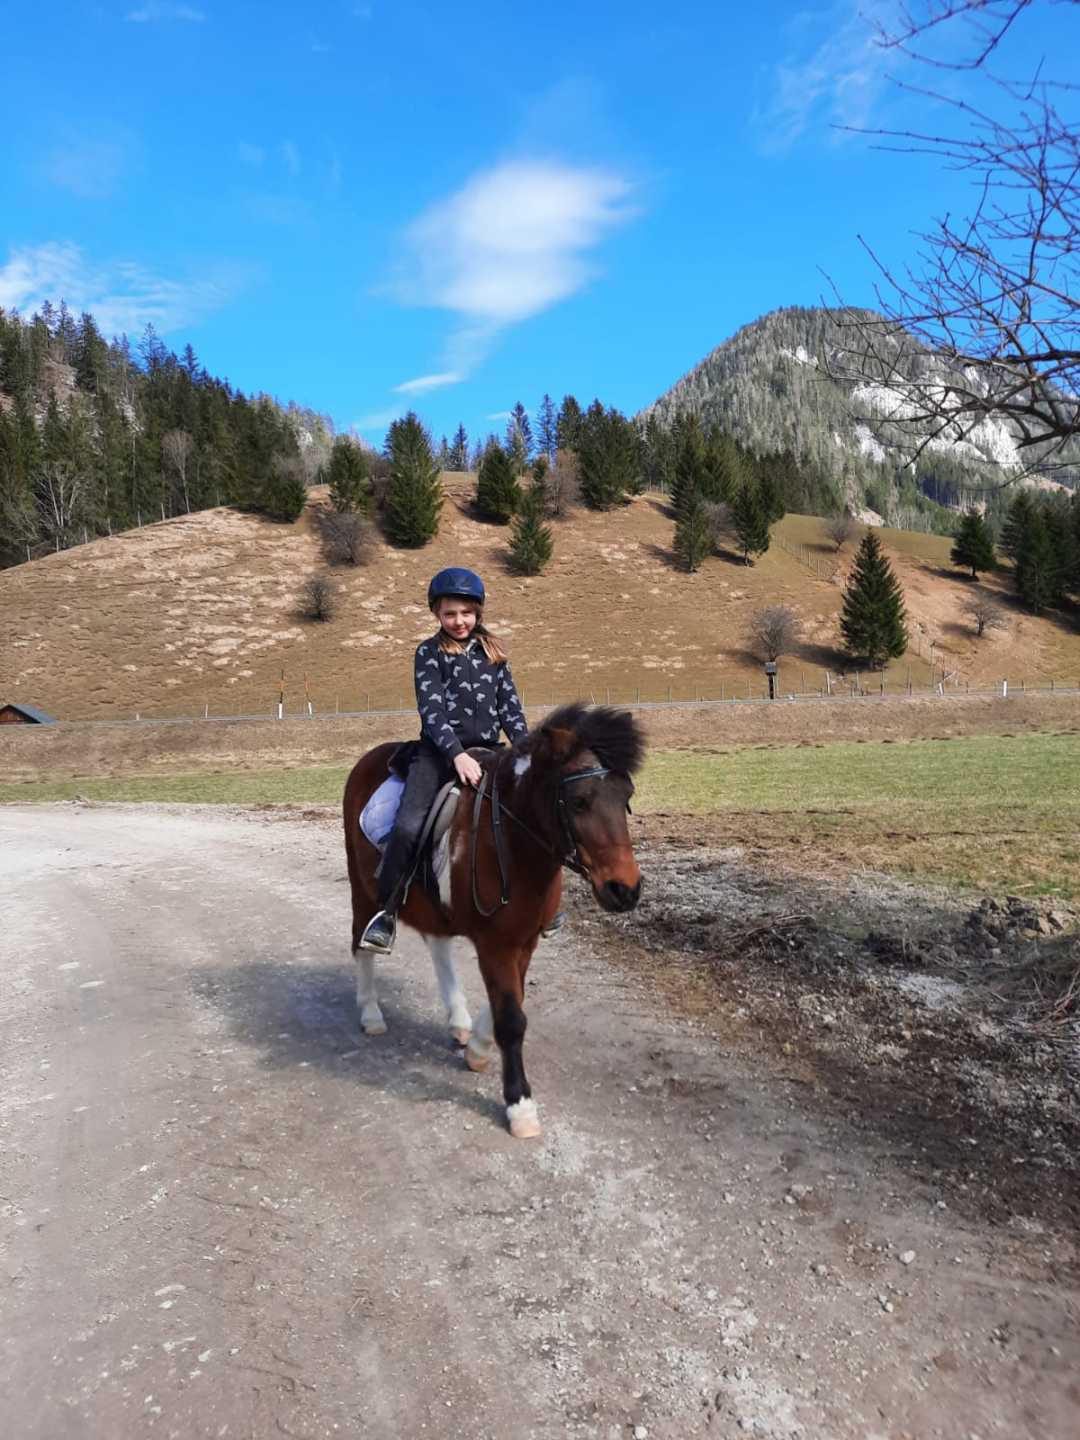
<point x="569" y="854"/>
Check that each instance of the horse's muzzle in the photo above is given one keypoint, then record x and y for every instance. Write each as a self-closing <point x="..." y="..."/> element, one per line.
<point x="615" y="896"/>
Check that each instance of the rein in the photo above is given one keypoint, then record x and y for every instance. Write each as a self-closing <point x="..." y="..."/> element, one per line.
<point x="570" y="854"/>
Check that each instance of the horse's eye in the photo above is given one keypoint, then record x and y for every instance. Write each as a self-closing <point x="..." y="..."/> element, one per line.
<point x="581" y="802"/>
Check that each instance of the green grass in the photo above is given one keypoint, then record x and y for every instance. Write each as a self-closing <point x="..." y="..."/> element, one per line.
<point x="992" y="812"/>
<point x="1030" y="774"/>
<point x="316" y="786"/>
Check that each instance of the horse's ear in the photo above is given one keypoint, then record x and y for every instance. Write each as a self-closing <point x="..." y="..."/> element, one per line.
<point x="560" y="742"/>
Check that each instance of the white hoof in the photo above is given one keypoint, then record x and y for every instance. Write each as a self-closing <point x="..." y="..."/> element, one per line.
<point x="460" y="1034"/>
<point x="372" y="1022"/>
<point x="476" y="1059"/>
<point x="524" y="1120"/>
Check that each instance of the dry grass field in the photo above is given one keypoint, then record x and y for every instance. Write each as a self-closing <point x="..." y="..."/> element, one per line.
<point x="200" y="612"/>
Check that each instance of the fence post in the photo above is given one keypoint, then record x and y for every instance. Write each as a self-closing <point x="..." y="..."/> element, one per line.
<point x="1004" y="689"/>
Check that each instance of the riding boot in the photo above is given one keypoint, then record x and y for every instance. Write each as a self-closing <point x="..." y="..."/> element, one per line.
<point x="381" y="930"/>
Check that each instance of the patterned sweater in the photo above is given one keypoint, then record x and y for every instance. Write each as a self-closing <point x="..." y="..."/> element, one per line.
<point x="464" y="699"/>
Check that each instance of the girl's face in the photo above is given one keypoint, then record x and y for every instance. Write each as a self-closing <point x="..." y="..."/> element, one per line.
<point x="457" y="617"/>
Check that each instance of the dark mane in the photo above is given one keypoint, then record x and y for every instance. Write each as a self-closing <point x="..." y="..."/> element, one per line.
<point x="613" y="736"/>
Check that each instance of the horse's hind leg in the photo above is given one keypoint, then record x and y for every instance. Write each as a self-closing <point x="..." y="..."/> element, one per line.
<point x="504" y="976"/>
<point x="453" y="997"/>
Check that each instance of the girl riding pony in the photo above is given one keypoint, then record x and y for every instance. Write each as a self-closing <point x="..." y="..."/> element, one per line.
<point x="465" y="694"/>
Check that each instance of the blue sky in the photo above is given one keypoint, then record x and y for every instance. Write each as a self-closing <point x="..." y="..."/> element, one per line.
<point x="367" y="207"/>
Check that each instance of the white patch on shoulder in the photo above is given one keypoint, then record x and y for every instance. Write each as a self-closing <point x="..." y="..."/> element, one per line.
<point x="521" y="764"/>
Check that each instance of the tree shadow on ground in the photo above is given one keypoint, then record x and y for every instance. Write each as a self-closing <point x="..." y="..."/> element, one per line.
<point x="823" y="657"/>
<point x="302" y="1015"/>
<point x="663" y="554"/>
<point x="662" y="507"/>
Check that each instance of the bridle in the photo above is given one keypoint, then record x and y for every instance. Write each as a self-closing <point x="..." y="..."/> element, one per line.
<point x="569" y="854"/>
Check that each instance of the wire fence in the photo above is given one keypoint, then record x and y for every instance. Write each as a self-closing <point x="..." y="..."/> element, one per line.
<point x="791" y="685"/>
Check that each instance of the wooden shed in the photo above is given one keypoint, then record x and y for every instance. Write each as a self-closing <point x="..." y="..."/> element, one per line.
<point x="14" y="713"/>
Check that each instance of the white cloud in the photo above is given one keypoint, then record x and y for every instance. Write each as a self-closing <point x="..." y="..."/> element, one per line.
<point x="290" y="155"/>
<point x="498" y="415"/>
<point x="423" y="383"/>
<point x="162" y="10"/>
<point x="89" y="167"/>
<point x="378" y="419"/>
<point x="837" y="83"/>
<point x="509" y="244"/>
<point x="122" y="296"/>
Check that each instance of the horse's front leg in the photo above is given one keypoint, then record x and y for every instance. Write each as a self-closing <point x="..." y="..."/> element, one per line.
<point x="504" y="976"/>
<point x="453" y="997"/>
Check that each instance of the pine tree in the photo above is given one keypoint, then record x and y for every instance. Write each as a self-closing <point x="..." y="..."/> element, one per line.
<point x="497" y="491"/>
<point x="725" y="471"/>
<point x="530" y="539"/>
<point x="693" y="535"/>
<point x="1014" y="530"/>
<point x="974" y="544"/>
<point x="285" y="495"/>
<point x="770" y="495"/>
<point x="414" y="496"/>
<point x="568" y="425"/>
<point x="547" y="430"/>
<point x="873" y="618"/>
<point x="348" y="473"/>
<point x="459" y="450"/>
<point x="658" y="455"/>
<point x="519" y="436"/>
<point x="750" y="522"/>
<point x="690" y="479"/>
<point x="1038" y="567"/>
<point x="606" y="450"/>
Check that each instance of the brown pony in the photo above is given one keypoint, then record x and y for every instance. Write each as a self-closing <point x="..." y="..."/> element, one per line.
<point x="559" y="796"/>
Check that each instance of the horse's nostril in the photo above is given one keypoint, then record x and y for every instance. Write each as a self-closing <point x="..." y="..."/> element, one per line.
<point x="624" y="896"/>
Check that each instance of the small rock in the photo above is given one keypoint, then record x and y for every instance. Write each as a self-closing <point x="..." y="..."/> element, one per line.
<point x="641" y="1432"/>
<point x="818" y="1269"/>
<point x="907" y="1257"/>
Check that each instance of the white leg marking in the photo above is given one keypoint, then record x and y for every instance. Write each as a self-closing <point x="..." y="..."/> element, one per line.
<point x="524" y="1120"/>
<point x="453" y="997"/>
<point x="371" y="1017"/>
<point x="478" y="1050"/>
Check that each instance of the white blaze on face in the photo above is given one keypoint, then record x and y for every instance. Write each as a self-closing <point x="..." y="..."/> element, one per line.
<point x="521" y="765"/>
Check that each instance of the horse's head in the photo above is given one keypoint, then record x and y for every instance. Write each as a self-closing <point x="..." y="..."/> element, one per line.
<point x="584" y="759"/>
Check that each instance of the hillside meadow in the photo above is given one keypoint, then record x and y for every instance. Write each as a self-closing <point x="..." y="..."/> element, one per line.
<point x="199" y="615"/>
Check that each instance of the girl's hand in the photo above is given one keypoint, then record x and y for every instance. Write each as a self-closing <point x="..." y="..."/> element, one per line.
<point x="468" y="770"/>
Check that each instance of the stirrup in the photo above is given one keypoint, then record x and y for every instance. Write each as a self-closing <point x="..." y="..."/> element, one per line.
<point x="558" y="920"/>
<point x="379" y="933"/>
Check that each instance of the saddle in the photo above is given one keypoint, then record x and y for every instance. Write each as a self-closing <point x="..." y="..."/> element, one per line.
<point x="433" y="851"/>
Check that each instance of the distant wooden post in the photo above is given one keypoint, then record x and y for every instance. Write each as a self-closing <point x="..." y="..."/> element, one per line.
<point x="281" y="696"/>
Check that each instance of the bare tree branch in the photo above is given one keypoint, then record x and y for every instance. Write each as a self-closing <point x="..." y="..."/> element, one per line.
<point x="978" y="339"/>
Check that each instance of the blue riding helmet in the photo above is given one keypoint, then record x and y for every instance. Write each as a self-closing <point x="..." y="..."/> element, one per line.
<point x="461" y="584"/>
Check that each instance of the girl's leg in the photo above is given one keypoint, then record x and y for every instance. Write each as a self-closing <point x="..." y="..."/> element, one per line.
<point x="421" y="786"/>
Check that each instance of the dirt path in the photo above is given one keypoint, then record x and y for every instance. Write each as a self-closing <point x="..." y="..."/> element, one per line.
<point x="227" y="1215"/>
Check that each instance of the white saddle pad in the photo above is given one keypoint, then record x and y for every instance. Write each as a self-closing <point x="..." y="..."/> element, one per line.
<point x="380" y="812"/>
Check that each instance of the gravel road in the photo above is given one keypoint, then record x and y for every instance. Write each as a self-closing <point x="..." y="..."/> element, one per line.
<point x="227" y="1214"/>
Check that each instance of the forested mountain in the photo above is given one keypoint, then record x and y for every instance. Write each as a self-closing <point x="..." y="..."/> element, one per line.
<point x="770" y="386"/>
<point x="97" y="436"/>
